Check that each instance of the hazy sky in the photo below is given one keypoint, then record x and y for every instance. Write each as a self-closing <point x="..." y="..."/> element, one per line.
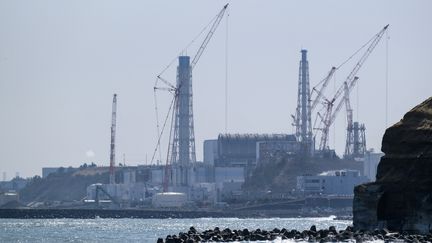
<point x="61" y="62"/>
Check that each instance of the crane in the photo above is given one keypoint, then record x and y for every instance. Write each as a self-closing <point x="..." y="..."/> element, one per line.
<point x="200" y="51"/>
<point x="349" y="113"/>
<point x="330" y="115"/>
<point x="113" y="132"/>
<point x="175" y="90"/>
<point x="320" y="92"/>
<point x="208" y="36"/>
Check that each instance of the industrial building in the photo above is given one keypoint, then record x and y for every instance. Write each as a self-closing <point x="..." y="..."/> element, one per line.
<point x="370" y="164"/>
<point x="338" y="182"/>
<point x="8" y="197"/>
<point x="241" y="150"/>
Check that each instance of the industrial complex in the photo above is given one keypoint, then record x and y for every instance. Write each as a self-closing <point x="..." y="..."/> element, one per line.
<point x="231" y="160"/>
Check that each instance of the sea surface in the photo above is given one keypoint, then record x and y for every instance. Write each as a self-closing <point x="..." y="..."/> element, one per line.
<point x="140" y="230"/>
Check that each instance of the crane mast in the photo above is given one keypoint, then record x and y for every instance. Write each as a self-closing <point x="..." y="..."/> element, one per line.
<point x="112" y="147"/>
<point x="349" y="83"/>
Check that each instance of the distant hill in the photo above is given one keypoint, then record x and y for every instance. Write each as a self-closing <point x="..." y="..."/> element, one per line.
<point x="62" y="186"/>
<point x="280" y="175"/>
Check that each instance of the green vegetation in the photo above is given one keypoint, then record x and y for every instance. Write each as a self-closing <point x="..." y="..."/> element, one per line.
<point x="280" y="174"/>
<point x="61" y="186"/>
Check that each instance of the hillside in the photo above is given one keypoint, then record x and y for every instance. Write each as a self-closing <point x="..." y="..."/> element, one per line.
<point x="61" y="186"/>
<point x="280" y="175"/>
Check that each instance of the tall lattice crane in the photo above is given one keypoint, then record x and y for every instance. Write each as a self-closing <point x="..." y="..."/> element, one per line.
<point x="320" y="91"/>
<point x="180" y="90"/>
<point x="112" y="147"/>
<point x="328" y="118"/>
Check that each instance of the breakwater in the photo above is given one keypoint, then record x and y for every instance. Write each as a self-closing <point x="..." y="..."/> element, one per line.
<point x="311" y="235"/>
<point x="106" y="213"/>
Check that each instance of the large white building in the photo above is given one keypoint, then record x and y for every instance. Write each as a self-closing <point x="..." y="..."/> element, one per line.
<point x="337" y="182"/>
<point x="371" y="161"/>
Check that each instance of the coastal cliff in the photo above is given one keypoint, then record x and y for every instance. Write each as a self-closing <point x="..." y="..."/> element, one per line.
<point x="401" y="197"/>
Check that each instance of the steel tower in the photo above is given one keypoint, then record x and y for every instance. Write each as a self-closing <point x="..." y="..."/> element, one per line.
<point x="181" y="155"/>
<point x="183" y="147"/>
<point x="112" y="145"/>
<point x="303" y="112"/>
<point x="356" y="141"/>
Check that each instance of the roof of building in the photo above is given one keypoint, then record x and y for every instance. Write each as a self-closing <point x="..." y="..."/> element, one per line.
<point x="256" y="136"/>
<point x="337" y="172"/>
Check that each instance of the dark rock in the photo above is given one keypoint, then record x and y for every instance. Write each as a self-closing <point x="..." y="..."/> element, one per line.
<point x="193" y="230"/>
<point x="198" y="238"/>
<point x="170" y="240"/>
<point x="160" y="240"/>
<point x="323" y="233"/>
<point x="400" y="198"/>
<point x="313" y="228"/>
<point x="332" y="229"/>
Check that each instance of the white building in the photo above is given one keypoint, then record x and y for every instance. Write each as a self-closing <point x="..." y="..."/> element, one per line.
<point x="370" y="164"/>
<point x="169" y="200"/>
<point x="338" y="182"/>
<point x="210" y="151"/>
<point x="8" y="197"/>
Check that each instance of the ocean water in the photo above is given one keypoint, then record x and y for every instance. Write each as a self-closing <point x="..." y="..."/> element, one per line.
<point x="140" y="230"/>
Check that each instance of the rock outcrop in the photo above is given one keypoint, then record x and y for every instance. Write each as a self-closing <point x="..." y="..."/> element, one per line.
<point x="401" y="197"/>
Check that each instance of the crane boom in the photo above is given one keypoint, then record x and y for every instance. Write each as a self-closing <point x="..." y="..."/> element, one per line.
<point x="349" y="83"/>
<point x="208" y="37"/>
<point x="347" y="90"/>
<point x="369" y="50"/>
<point x="323" y="87"/>
<point x="113" y="132"/>
<point x="349" y="79"/>
<point x="330" y="115"/>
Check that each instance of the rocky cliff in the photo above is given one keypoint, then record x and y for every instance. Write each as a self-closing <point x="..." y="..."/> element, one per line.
<point x="401" y="197"/>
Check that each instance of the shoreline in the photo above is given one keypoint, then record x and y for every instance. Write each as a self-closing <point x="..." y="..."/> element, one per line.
<point x="157" y="214"/>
